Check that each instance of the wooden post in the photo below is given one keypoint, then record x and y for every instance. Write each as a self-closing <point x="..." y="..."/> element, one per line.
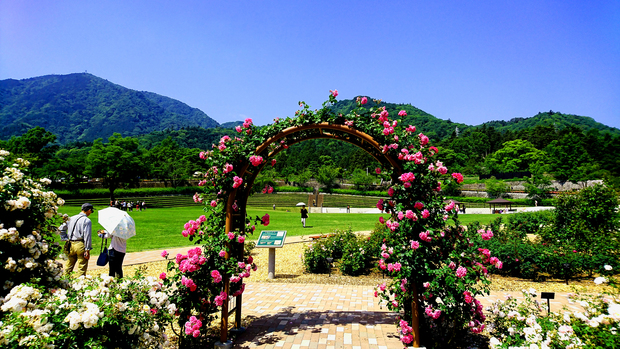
<point x="415" y="323"/>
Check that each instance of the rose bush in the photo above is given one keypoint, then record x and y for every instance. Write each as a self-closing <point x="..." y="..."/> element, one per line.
<point x="27" y="227"/>
<point x="100" y="312"/>
<point x="527" y="324"/>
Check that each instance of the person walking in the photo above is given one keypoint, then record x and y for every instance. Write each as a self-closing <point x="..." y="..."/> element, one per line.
<point x="304" y="215"/>
<point x="78" y="231"/>
<point x="116" y="253"/>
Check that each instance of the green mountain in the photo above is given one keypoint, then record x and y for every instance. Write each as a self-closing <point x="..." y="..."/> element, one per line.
<point x="83" y="107"/>
<point x="559" y="121"/>
<point x="431" y="126"/>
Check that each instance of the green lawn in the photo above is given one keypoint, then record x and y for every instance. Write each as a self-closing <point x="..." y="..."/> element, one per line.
<point x="159" y="228"/>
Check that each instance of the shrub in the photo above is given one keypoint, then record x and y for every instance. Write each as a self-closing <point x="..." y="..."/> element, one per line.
<point x="315" y="258"/>
<point x="588" y="220"/>
<point x="95" y="312"/>
<point x="528" y="323"/>
<point x="27" y="227"/>
<point x="337" y="241"/>
<point x="355" y="259"/>
<point x="529" y="222"/>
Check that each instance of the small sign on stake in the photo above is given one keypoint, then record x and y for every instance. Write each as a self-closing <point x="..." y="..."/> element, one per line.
<point x="272" y="239"/>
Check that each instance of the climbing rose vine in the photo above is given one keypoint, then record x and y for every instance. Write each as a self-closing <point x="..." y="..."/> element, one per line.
<point x="428" y="259"/>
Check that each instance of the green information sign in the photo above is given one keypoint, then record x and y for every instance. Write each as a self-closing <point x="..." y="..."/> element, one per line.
<point x="271" y="238"/>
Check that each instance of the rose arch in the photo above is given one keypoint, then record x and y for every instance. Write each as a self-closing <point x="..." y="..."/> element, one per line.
<point x="436" y="273"/>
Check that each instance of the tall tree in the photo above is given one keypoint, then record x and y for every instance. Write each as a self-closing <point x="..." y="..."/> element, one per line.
<point x="118" y="162"/>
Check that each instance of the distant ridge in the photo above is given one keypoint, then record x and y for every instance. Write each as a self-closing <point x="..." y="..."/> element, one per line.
<point x="556" y="119"/>
<point x="83" y="107"/>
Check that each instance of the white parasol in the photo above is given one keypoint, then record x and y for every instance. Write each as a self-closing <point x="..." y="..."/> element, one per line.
<point x="116" y="222"/>
<point x="301" y="204"/>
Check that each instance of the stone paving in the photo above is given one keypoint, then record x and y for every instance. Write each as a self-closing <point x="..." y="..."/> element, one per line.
<point x="313" y="316"/>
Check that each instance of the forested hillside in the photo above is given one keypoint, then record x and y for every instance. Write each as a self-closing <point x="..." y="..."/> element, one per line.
<point x="83" y="107"/>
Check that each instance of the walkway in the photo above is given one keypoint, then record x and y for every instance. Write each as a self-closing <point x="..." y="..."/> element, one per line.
<point x="315" y="316"/>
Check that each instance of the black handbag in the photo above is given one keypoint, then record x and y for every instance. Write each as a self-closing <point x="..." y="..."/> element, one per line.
<point x="103" y="255"/>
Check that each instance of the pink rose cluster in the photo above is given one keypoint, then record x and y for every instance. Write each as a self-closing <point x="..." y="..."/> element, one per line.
<point x="246" y="125"/>
<point x="418" y="158"/>
<point x="439" y="167"/>
<point x="406" y="178"/>
<point x="425" y="236"/>
<point x="450" y="206"/>
<point x="192" y="327"/>
<point x="197" y="198"/>
<point x="485" y="234"/>
<point x="256" y="160"/>
<point x="217" y="277"/>
<point x="228" y="167"/>
<point x="423" y="139"/>
<point x="189" y="283"/>
<point x="334" y="93"/>
<point x="192" y="226"/>
<point x="458" y="177"/>
<point x="265" y="219"/>
<point x="267" y="189"/>
<point x="237" y="181"/>
<point x="393" y="225"/>
<point x="406" y="332"/>
<point x="219" y="300"/>
<point x="435" y="314"/>
<point x="193" y="261"/>
<point x="362" y="100"/>
<point x="223" y="141"/>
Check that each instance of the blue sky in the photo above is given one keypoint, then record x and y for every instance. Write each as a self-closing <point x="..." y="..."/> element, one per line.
<point x="470" y="62"/>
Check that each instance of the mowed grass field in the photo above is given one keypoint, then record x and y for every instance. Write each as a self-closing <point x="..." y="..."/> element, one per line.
<point x="159" y="228"/>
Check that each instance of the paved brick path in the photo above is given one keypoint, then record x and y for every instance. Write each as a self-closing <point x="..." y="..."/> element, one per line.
<point x="312" y="316"/>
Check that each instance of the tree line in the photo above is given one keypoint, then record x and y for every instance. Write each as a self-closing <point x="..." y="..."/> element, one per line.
<point x="172" y="156"/>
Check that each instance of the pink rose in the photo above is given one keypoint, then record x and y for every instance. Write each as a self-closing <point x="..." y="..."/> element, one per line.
<point x="378" y="170"/>
<point x="256" y="160"/>
<point x="164" y="254"/>
<point x="213" y="203"/>
<point x="334" y="93"/>
<point x="461" y="272"/>
<point x="241" y="239"/>
<point x="217" y="277"/>
<point x="364" y="100"/>
<point x="402" y="113"/>
<point x="458" y="177"/>
<point x="265" y="219"/>
<point x="162" y="276"/>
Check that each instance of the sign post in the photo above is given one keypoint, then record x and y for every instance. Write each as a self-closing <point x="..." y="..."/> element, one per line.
<point x="271" y="239"/>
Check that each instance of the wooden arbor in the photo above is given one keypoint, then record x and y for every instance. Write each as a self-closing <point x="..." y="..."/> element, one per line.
<point x="235" y="220"/>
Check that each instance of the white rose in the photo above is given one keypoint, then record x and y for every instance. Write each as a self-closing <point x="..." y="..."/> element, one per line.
<point x="599" y="280"/>
<point x="608" y="267"/>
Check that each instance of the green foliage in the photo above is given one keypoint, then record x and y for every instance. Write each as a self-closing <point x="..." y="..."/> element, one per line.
<point x="361" y="179"/>
<point x="588" y="220"/>
<point x="315" y="257"/>
<point x="119" y="161"/>
<point x="495" y="188"/>
<point x="529" y="222"/>
<point x="515" y="156"/>
<point x="355" y="259"/>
